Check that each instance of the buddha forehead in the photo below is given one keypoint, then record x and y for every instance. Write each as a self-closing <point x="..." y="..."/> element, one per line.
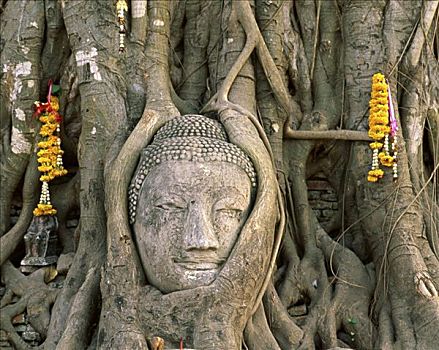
<point x="188" y="178"/>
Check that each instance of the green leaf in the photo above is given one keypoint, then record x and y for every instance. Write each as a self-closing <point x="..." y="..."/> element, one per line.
<point x="352" y="321"/>
<point x="56" y="89"/>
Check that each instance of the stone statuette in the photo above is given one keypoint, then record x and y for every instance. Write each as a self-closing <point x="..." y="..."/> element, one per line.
<point x="41" y="242"/>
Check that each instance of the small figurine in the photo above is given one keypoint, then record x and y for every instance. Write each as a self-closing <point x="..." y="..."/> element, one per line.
<point x="41" y="243"/>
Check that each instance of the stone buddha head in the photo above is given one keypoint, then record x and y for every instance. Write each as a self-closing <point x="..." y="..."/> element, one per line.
<point x="188" y="201"/>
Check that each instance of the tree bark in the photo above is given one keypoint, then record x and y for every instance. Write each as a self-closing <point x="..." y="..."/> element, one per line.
<point x="291" y="82"/>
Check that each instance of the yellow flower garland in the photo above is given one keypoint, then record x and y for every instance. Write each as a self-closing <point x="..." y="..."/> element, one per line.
<point x="49" y="153"/>
<point x="379" y="128"/>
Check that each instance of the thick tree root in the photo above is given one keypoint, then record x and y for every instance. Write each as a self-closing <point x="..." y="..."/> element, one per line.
<point x="20" y="56"/>
<point x="257" y="333"/>
<point x="286" y="332"/>
<point x="6" y="314"/>
<point x="82" y="312"/>
<point x="349" y="306"/>
<point x="10" y="240"/>
<point x="37" y="296"/>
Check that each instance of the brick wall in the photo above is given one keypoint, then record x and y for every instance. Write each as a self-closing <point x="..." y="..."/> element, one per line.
<point x="323" y="200"/>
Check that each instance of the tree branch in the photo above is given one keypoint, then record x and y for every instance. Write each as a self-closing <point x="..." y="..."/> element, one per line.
<point x="350" y="135"/>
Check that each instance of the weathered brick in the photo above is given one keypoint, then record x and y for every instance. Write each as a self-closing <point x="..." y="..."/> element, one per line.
<point x="329" y="196"/>
<point x="327" y="213"/>
<point x="19" y="319"/>
<point x="318" y="185"/>
<point x="314" y="195"/>
<point x="320" y="205"/>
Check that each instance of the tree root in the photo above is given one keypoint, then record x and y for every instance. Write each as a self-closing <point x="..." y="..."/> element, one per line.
<point x="353" y="292"/>
<point x="386" y="332"/>
<point x="65" y="198"/>
<point x="288" y="290"/>
<point x="254" y="40"/>
<point x="10" y="240"/>
<point x="224" y="115"/>
<point x="38" y="297"/>
<point x="121" y="254"/>
<point x="286" y="332"/>
<point x="82" y="312"/>
<point x="6" y="314"/>
<point x="413" y="54"/>
<point x="17" y="149"/>
<point x="257" y="332"/>
<point x="318" y="307"/>
<point x="122" y="275"/>
<point x="248" y="22"/>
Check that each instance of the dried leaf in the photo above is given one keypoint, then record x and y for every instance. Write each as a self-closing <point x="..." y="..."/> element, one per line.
<point x="157" y="343"/>
<point x="50" y="273"/>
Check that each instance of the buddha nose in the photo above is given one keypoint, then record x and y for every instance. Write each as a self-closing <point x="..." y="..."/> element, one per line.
<point x="199" y="233"/>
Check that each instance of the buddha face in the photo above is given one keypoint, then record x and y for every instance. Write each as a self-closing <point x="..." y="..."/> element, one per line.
<point x="188" y="218"/>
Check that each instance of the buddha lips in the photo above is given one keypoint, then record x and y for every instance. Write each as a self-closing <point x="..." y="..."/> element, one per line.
<point x="382" y="127"/>
<point x="49" y="152"/>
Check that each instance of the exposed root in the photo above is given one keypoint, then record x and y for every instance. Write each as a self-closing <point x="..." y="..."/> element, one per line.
<point x="257" y="332"/>
<point x="18" y="128"/>
<point x="65" y="198"/>
<point x="288" y="289"/>
<point x="81" y="314"/>
<point x="121" y="254"/>
<point x="250" y="26"/>
<point x="10" y="240"/>
<point x="386" y="331"/>
<point x="353" y="292"/>
<point x="254" y="40"/>
<point x="37" y="296"/>
<point x="286" y="332"/>
<point x="221" y="97"/>
<point x="6" y="314"/>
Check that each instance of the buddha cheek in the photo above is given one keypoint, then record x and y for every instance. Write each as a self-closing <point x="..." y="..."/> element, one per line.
<point x="227" y="232"/>
<point x="171" y="240"/>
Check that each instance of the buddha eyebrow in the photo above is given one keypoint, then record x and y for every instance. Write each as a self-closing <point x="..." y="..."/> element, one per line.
<point x="176" y="189"/>
<point x="227" y="192"/>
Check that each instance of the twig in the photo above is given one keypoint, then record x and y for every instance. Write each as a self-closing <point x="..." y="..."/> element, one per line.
<point x="316" y="35"/>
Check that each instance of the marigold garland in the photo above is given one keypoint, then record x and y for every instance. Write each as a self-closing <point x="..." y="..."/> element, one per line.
<point x="49" y="151"/>
<point x="380" y="115"/>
